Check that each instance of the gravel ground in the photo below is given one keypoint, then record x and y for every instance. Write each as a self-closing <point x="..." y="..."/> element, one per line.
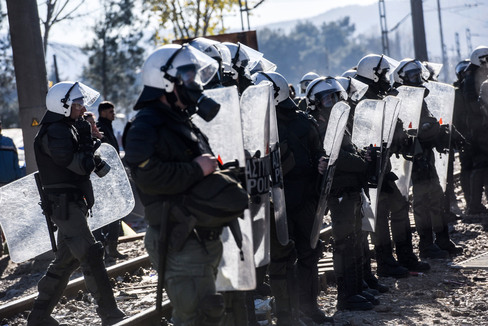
<point x="442" y="296"/>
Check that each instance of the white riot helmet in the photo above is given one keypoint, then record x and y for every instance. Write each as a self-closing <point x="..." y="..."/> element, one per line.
<point x="280" y="87"/>
<point x="349" y="73"/>
<point x="61" y="96"/>
<point x="264" y="65"/>
<point x="376" y="67"/>
<point x="434" y="69"/>
<point x="325" y="92"/>
<point x="215" y="50"/>
<point x="411" y="72"/>
<point x="185" y="68"/>
<point x="243" y="58"/>
<point x="354" y="88"/>
<point x="461" y="68"/>
<point x="479" y="55"/>
<point x="173" y="63"/>
<point x="306" y="79"/>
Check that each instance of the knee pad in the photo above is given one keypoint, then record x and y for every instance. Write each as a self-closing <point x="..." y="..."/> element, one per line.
<point x="212" y="309"/>
<point x="94" y="254"/>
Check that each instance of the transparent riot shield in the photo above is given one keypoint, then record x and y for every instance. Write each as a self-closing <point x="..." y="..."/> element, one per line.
<point x="440" y="103"/>
<point x="277" y="186"/>
<point x="332" y="145"/>
<point x="367" y="132"/>
<point x="410" y="109"/>
<point x="25" y="226"/>
<point x="255" y="119"/>
<point x="224" y="134"/>
<point x="392" y="110"/>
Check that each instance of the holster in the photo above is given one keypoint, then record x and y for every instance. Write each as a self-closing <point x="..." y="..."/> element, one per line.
<point x="60" y="204"/>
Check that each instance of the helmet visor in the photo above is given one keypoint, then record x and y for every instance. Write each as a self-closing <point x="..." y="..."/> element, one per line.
<point x="357" y="89"/>
<point x="193" y="65"/>
<point x="385" y="67"/>
<point x="253" y="55"/>
<point x="226" y="57"/>
<point x="328" y="98"/>
<point x="82" y="94"/>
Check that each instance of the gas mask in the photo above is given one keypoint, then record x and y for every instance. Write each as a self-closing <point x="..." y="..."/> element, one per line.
<point x="191" y="94"/>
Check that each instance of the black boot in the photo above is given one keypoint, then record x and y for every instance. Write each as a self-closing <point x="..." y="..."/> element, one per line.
<point x="428" y="249"/>
<point x="443" y="241"/>
<point x="51" y="288"/>
<point x="98" y="284"/>
<point x="347" y="300"/>
<point x="111" y="250"/>
<point x="309" y="290"/>
<point x="476" y="192"/>
<point x="367" y="276"/>
<point x="406" y="256"/>
<point x="387" y="266"/>
<point x="285" y="292"/>
<point x="348" y="269"/>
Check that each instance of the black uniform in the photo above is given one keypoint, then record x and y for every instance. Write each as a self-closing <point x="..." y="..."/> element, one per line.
<point x="161" y="145"/>
<point x="65" y="170"/>
<point x="300" y="148"/>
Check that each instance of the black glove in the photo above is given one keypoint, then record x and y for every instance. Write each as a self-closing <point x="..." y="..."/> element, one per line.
<point x="85" y="140"/>
<point x="443" y="139"/>
<point x="101" y="167"/>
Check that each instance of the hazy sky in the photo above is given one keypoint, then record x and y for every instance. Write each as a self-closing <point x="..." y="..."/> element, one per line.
<point x="269" y="11"/>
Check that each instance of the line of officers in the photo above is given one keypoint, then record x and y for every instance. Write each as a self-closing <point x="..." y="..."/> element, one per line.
<point x="168" y="155"/>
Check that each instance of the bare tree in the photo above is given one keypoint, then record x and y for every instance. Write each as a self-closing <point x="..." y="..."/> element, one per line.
<point x="57" y="11"/>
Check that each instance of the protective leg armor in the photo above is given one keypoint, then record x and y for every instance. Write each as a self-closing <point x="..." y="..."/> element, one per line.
<point x="98" y="284"/>
<point x="212" y="309"/>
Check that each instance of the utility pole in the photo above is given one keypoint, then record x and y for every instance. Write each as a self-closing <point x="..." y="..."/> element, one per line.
<point x="30" y="71"/>
<point x="384" y="29"/>
<point x="468" y="40"/>
<point x="443" y="45"/>
<point x="418" y="30"/>
<point x="458" y="46"/>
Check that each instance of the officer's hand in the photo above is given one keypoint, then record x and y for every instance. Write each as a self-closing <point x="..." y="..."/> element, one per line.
<point x="83" y="127"/>
<point x="323" y="161"/>
<point x="207" y="163"/>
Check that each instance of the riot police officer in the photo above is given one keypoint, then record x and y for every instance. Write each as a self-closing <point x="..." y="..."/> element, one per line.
<point x="302" y="158"/>
<point x="375" y="70"/>
<point x="427" y="191"/>
<point x="64" y="151"/>
<point x="304" y="82"/>
<point x="344" y="200"/>
<point x="474" y="75"/>
<point x="460" y="120"/>
<point x="167" y="156"/>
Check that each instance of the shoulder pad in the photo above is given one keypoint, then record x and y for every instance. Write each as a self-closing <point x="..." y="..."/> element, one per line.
<point x="142" y="135"/>
<point x="59" y="130"/>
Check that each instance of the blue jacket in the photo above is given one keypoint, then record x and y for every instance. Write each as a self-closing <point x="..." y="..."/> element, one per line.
<point x="9" y="161"/>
